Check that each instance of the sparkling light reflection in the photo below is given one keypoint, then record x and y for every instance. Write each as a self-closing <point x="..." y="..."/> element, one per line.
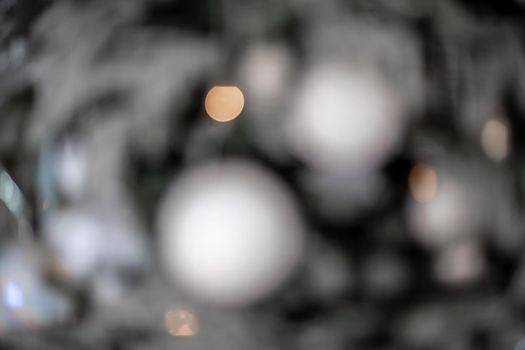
<point x="230" y="233"/>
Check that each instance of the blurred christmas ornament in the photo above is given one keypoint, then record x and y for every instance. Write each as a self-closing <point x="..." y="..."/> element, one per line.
<point x="361" y="84"/>
<point x="455" y="205"/>
<point x="345" y="119"/>
<point x="230" y="233"/>
<point x="27" y="301"/>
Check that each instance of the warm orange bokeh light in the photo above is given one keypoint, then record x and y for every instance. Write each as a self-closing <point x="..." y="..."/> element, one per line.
<point x="181" y="323"/>
<point x="224" y="103"/>
<point x="422" y="182"/>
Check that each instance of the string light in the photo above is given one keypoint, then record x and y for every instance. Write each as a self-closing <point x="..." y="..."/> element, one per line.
<point x="224" y="103"/>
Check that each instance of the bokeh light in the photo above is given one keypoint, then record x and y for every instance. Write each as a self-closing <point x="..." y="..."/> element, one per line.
<point x="265" y="71"/>
<point x="230" y="233"/>
<point x="344" y="119"/>
<point x="459" y="264"/>
<point x="454" y="212"/>
<point x="224" y="103"/>
<point x="495" y="139"/>
<point x="422" y="182"/>
<point x="12" y="295"/>
<point x="181" y="322"/>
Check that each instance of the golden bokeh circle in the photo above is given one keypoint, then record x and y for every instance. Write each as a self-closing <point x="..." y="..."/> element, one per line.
<point x="224" y="103"/>
<point x="422" y="182"/>
<point x="181" y="323"/>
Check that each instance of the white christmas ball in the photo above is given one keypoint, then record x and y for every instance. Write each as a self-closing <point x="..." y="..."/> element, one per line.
<point x="344" y="119"/>
<point x="457" y="210"/>
<point x="230" y="233"/>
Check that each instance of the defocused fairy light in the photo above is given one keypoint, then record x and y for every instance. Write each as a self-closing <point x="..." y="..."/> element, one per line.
<point x="181" y="323"/>
<point x="422" y="182"/>
<point x="12" y="296"/>
<point x="495" y="139"/>
<point x="224" y="103"/>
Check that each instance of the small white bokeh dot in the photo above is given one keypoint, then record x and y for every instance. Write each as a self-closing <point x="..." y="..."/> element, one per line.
<point x="495" y="139"/>
<point x="230" y="233"/>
